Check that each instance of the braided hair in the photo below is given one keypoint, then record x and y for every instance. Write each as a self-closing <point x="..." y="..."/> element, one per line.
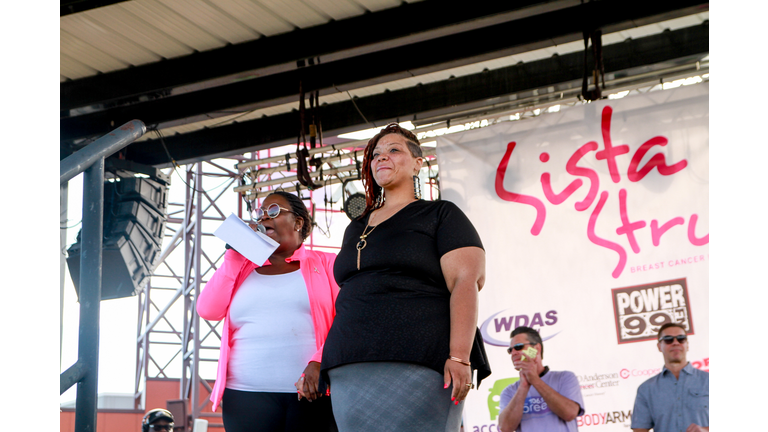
<point x="373" y="192"/>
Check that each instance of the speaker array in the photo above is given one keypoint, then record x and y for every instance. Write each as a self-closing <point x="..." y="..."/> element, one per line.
<point x="134" y="222"/>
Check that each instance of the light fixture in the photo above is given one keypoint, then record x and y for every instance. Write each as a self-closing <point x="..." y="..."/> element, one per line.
<point x="354" y="205"/>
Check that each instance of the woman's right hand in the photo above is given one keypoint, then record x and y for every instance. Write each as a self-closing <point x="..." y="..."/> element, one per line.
<point x="460" y="376"/>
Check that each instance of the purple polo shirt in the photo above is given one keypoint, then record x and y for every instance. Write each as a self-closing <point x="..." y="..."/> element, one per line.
<point x="537" y="416"/>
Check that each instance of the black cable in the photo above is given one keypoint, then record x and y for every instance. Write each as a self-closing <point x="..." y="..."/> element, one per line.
<point x="356" y="107"/>
<point x="81" y="221"/>
<point x="176" y="165"/>
<point x="162" y="141"/>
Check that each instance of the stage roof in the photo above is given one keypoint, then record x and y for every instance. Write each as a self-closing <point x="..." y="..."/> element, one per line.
<point x="222" y="77"/>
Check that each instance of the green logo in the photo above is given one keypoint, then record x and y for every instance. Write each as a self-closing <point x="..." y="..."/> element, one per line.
<point x="495" y="396"/>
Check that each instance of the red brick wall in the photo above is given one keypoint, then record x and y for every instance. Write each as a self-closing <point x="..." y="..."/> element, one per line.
<point x="159" y="391"/>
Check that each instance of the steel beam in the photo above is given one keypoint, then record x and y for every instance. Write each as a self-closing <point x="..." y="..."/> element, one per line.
<point x="75" y="6"/>
<point x="331" y="41"/>
<point x="566" y="71"/>
<point x="537" y="31"/>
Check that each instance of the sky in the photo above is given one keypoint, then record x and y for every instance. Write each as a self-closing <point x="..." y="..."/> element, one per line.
<point x="31" y="300"/>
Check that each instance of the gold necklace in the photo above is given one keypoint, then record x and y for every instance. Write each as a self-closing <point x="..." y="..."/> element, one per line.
<point x="363" y="243"/>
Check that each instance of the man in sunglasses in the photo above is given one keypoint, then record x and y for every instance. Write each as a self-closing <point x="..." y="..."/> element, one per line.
<point x="542" y="400"/>
<point x="677" y="399"/>
<point x="157" y="420"/>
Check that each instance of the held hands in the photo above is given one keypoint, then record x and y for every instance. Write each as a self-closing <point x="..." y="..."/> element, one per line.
<point x="307" y="385"/>
<point x="461" y="376"/>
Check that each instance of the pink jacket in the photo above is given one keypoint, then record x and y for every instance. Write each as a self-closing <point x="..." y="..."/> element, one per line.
<point x="213" y="302"/>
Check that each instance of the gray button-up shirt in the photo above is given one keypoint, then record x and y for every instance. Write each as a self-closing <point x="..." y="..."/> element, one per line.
<point x="666" y="404"/>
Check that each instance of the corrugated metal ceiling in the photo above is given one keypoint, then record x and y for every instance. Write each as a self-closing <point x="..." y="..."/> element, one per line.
<point x="156" y="58"/>
<point x="139" y="32"/>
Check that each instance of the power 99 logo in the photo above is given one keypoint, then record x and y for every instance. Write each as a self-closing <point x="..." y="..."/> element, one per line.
<point x="641" y="310"/>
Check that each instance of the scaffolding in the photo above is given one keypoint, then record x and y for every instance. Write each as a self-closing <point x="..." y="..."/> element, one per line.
<point x="172" y="341"/>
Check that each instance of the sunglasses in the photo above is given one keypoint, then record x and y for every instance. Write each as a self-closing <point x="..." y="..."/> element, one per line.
<point x="518" y="347"/>
<point x="668" y="339"/>
<point x="272" y="212"/>
<point x="158" y="427"/>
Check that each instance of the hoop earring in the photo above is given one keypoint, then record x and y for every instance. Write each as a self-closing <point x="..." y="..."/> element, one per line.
<point x="416" y="187"/>
<point x="380" y="199"/>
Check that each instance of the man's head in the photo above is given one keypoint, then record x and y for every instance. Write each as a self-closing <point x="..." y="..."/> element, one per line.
<point x="670" y="344"/>
<point x="521" y="338"/>
<point x="157" y="420"/>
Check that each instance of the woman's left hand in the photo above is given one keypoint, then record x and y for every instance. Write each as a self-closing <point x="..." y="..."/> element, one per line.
<point x="308" y="383"/>
<point x="461" y="377"/>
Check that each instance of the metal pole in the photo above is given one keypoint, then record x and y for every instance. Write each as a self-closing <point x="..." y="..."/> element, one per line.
<point x="63" y="191"/>
<point x="90" y="296"/>
<point x="195" y="324"/>
<point x="103" y="147"/>
<point x="189" y="247"/>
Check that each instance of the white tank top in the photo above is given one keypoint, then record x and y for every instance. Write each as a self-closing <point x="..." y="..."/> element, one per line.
<point x="273" y="337"/>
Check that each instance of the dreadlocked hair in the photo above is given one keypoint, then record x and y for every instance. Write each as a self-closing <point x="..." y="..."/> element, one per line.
<point x="373" y="192"/>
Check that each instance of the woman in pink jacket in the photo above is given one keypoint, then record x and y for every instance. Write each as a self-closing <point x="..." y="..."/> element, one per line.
<point x="276" y="318"/>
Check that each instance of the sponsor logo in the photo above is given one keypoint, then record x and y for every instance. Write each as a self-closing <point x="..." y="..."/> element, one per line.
<point x="646" y="373"/>
<point x="598" y="381"/>
<point x="495" y="395"/>
<point x="497" y="327"/>
<point x="536" y="405"/>
<point x="641" y="310"/>
<point x="486" y="428"/>
<point x="702" y="364"/>
<point x="625" y="373"/>
<point x="603" y="418"/>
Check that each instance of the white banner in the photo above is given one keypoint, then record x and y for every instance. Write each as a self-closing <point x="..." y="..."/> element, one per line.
<point x="595" y="222"/>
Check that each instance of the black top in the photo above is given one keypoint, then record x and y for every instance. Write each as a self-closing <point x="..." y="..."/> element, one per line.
<point x="397" y="306"/>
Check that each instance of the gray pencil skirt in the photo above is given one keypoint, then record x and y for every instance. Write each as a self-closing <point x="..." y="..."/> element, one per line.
<point x="392" y="396"/>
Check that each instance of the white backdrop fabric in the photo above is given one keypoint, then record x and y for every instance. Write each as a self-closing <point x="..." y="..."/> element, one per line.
<point x="595" y="222"/>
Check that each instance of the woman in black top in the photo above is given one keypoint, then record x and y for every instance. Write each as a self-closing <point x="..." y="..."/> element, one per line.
<point x="404" y="343"/>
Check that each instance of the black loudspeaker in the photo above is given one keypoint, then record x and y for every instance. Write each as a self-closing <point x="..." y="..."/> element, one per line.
<point x="134" y="223"/>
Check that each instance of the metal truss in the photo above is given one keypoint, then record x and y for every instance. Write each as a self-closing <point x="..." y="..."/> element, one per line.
<point x="170" y="342"/>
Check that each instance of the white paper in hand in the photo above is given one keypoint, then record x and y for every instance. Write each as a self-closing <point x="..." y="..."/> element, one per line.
<point x="255" y="246"/>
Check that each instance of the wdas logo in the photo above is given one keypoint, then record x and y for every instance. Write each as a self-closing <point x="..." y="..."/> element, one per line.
<point x="497" y="327"/>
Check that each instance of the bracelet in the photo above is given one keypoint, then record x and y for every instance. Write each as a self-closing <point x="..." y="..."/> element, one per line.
<point x="458" y="360"/>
